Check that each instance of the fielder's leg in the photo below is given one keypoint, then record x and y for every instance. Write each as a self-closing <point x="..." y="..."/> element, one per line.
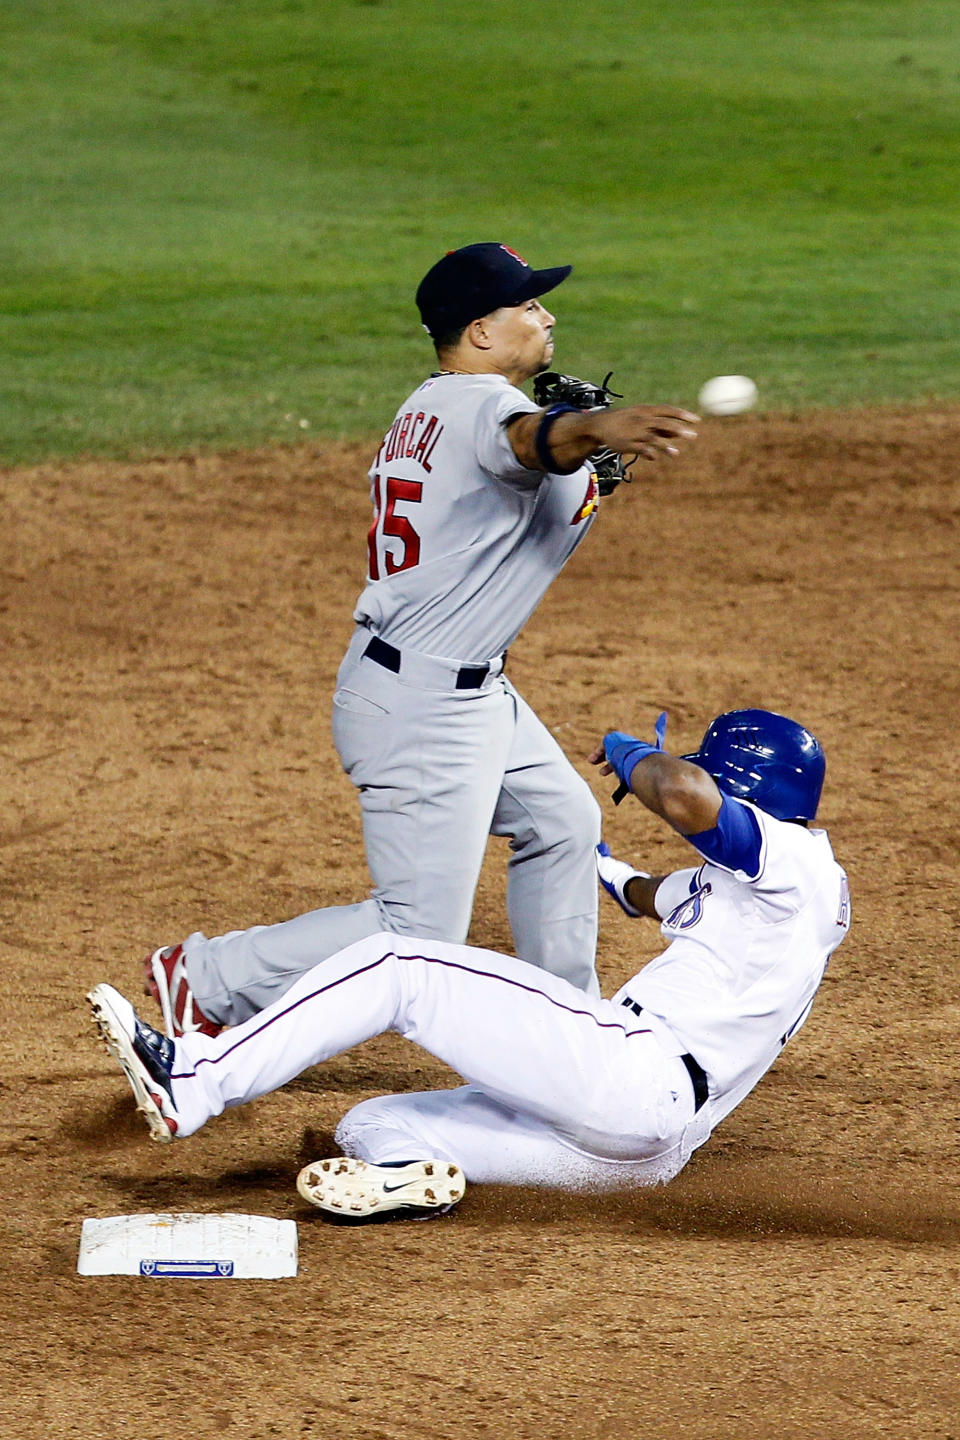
<point x="554" y="821"/>
<point x="428" y="800"/>
<point x="422" y="763"/>
<point x="236" y="975"/>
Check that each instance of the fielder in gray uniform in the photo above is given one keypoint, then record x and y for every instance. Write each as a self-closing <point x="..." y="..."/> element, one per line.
<point x="564" y="1089"/>
<point x="480" y="498"/>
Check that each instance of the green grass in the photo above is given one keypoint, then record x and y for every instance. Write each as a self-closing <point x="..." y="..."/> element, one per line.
<point x="215" y="212"/>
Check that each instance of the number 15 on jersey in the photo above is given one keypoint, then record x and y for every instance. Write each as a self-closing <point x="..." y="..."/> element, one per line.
<point x="392" y="540"/>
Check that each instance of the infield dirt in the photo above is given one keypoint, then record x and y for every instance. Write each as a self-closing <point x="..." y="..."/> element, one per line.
<point x="171" y="631"/>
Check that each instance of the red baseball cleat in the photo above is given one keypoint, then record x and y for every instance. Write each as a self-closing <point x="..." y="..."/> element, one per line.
<point x="166" y="980"/>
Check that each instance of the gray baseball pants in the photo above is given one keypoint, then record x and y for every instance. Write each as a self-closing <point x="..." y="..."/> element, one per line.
<point x="438" y="769"/>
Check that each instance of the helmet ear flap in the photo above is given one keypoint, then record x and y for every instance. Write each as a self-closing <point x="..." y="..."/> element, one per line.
<point x="768" y="759"/>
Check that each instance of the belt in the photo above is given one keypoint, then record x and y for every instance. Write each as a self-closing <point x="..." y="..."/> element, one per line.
<point x="468" y="677"/>
<point x="698" y="1076"/>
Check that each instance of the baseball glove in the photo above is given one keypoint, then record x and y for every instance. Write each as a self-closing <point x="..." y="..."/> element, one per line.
<point x="553" y="389"/>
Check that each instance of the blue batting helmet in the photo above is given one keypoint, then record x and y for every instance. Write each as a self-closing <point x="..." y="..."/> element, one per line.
<point x="759" y="756"/>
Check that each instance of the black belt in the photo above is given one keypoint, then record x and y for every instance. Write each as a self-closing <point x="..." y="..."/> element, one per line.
<point x="698" y="1076"/>
<point x="469" y="677"/>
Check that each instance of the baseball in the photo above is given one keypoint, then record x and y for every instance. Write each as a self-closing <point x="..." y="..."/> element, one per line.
<point x="727" y="395"/>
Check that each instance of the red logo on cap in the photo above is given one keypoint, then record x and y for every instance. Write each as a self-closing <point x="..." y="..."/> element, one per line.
<point x="515" y="255"/>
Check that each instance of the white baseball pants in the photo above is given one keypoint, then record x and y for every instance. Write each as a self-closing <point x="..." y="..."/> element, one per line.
<point x="565" y="1089"/>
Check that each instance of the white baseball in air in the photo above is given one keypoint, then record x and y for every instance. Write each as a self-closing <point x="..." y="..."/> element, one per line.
<point x="727" y="395"/>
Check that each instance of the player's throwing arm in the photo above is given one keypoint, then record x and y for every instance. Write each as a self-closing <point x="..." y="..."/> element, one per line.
<point x="559" y="439"/>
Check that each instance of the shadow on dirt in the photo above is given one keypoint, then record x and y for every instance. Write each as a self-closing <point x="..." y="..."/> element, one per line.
<point x="756" y="1203"/>
<point x="104" y="1125"/>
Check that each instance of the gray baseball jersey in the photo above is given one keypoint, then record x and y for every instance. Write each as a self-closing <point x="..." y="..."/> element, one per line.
<point x="464" y="541"/>
<point x="442" y="750"/>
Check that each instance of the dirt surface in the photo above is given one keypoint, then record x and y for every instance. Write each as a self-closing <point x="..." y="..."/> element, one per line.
<point x="171" y="632"/>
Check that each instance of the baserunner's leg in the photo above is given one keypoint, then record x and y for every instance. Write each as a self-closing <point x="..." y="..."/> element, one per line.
<point x="490" y="1142"/>
<point x="530" y="1040"/>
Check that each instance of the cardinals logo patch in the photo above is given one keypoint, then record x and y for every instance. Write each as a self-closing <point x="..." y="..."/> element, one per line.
<point x="589" y="502"/>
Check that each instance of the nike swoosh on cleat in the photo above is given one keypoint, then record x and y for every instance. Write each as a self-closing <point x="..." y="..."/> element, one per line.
<point x="389" y="1189"/>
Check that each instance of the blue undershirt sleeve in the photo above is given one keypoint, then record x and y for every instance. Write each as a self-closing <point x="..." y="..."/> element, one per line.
<point x="735" y="842"/>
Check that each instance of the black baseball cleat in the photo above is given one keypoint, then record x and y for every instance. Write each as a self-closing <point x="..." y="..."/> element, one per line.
<point x="402" y="1189"/>
<point x="146" y="1057"/>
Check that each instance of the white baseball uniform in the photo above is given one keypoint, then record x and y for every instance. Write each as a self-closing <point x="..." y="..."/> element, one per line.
<point x="439" y="744"/>
<point x="565" y="1089"/>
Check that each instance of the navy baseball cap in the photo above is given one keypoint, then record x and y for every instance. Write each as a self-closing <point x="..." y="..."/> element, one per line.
<point x="477" y="279"/>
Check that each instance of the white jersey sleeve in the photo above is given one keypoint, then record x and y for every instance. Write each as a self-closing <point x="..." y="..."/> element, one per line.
<point x="746" y="954"/>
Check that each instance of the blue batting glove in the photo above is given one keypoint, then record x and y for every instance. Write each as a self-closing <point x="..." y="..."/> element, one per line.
<point x="624" y="751"/>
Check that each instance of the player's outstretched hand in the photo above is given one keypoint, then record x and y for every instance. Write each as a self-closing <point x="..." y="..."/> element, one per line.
<point x="599" y="757"/>
<point x="619" y="753"/>
<point x="645" y="430"/>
